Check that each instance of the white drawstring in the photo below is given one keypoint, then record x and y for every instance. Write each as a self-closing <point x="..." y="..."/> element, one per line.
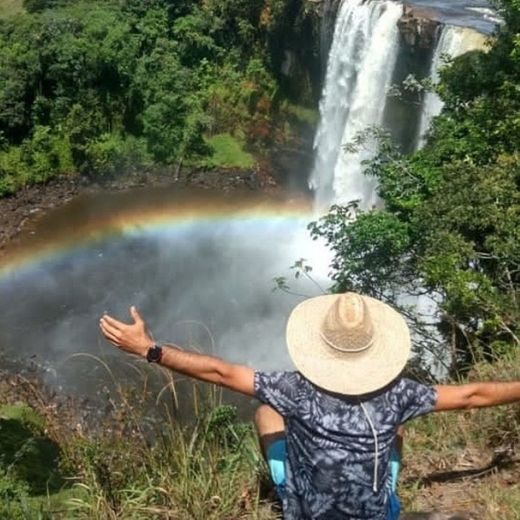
<point x="374" y="433"/>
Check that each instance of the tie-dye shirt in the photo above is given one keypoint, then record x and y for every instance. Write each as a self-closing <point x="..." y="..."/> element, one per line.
<point x="331" y="448"/>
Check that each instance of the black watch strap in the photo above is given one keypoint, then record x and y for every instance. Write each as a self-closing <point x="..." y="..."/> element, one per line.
<point x="154" y="354"/>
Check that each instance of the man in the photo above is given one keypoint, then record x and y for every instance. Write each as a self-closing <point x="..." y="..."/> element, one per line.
<point x="329" y="428"/>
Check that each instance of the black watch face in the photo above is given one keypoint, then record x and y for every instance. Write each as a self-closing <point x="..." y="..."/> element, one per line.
<point x="154" y="354"/>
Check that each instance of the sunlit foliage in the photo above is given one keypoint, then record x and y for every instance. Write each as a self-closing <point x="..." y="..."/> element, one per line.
<point x="82" y="83"/>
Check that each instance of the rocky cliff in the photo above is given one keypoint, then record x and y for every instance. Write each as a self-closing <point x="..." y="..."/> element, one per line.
<point x="419" y="27"/>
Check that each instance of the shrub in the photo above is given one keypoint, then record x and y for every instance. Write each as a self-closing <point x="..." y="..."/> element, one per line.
<point x="27" y="455"/>
<point x="35" y="6"/>
<point x="13" y="497"/>
<point x="111" y="154"/>
<point x="13" y="171"/>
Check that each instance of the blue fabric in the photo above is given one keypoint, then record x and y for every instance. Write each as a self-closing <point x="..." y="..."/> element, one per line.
<point x="277" y="452"/>
<point x="394" y="507"/>
<point x="276" y="455"/>
<point x="329" y="470"/>
<point x="395" y="467"/>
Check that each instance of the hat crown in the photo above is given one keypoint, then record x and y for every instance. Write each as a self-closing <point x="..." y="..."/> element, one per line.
<point x="347" y="326"/>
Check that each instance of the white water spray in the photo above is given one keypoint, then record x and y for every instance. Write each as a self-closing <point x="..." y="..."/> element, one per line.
<point x="453" y="41"/>
<point x="359" y="72"/>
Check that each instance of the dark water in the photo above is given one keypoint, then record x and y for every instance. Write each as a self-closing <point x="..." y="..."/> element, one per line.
<point x="477" y="14"/>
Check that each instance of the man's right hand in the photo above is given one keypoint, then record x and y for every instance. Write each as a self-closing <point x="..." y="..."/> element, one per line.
<point x="135" y="339"/>
<point x="132" y="338"/>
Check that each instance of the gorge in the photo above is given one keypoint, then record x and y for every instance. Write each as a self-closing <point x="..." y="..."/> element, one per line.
<point x="195" y="263"/>
<point x="158" y="154"/>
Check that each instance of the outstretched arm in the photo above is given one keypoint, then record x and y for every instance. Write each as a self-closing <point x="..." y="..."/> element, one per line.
<point x="135" y="339"/>
<point x="476" y="395"/>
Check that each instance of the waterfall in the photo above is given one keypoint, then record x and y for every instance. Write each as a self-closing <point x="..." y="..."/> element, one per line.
<point x="328" y="16"/>
<point x="453" y="41"/>
<point x="359" y="73"/>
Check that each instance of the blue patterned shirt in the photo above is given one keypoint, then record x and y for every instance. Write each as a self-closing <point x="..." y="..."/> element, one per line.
<point x="331" y="448"/>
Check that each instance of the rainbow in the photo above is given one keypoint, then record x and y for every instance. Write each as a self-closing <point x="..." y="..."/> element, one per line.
<point x="100" y="217"/>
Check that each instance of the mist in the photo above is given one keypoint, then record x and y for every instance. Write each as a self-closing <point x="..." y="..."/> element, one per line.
<point x="206" y="285"/>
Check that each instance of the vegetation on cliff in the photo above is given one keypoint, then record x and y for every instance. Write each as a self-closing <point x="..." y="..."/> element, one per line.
<point x="68" y="460"/>
<point x="107" y="86"/>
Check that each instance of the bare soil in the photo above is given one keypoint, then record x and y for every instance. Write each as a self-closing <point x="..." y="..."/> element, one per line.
<point x="469" y="489"/>
<point x="31" y="202"/>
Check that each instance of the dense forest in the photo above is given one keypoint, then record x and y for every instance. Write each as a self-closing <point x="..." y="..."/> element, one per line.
<point x="103" y="87"/>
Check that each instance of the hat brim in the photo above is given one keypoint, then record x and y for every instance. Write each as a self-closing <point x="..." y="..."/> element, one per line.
<point x="348" y="373"/>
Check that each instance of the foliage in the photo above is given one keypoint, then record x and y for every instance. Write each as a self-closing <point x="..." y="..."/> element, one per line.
<point x="36" y="159"/>
<point x="81" y="83"/>
<point x="34" y="6"/>
<point x="13" y="497"/>
<point x="24" y="414"/>
<point x="111" y="154"/>
<point x="302" y="114"/>
<point x="139" y="459"/>
<point x="451" y="221"/>
<point x="228" y="151"/>
<point x="28" y="456"/>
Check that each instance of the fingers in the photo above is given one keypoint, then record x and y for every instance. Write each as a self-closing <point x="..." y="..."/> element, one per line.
<point x="112" y="339"/>
<point x="110" y="332"/>
<point x="132" y="337"/>
<point x="135" y="315"/>
<point x="108" y="328"/>
<point x="112" y="322"/>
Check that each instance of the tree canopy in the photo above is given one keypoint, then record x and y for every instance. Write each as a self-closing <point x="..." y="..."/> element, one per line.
<point x="98" y="86"/>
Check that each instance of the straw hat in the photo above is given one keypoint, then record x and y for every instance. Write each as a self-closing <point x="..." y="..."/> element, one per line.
<point x="348" y="343"/>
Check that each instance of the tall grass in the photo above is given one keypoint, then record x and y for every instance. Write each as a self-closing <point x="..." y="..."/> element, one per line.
<point x="137" y="465"/>
<point x="206" y="468"/>
<point x="139" y="461"/>
<point x="467" y="460"/>
<point x="228" y="152"/>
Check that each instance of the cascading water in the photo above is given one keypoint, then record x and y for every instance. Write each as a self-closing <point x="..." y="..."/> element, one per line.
<point x="359" y="73"/>
<point x="366" y="57"/>
<point x="453" y="41"/>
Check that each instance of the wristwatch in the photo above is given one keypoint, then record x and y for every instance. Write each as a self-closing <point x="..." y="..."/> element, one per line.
<point x="154" y="354"/>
